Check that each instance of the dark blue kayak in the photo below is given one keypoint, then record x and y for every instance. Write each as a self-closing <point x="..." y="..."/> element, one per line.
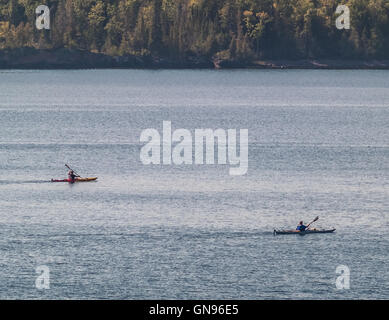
<point x="302" y="232"/>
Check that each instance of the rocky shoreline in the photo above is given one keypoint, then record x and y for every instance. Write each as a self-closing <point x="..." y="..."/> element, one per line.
<point x="30" y="58"/>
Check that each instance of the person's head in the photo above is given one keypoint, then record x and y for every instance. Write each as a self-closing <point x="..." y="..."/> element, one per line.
<point x="71" y="172"/>
<point x="301" y="223"/>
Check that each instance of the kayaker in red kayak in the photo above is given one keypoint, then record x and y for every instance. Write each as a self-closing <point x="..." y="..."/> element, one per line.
<point x="72" y="176"/>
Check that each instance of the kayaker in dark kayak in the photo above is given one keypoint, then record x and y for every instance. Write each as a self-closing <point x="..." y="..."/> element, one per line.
<point x="301" y="226"/>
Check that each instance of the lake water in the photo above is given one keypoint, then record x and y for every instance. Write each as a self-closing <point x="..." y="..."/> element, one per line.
<point x="318" y="146"/>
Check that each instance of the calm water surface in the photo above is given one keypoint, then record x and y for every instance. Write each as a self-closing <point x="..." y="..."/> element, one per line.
<point x="318" y="146"/>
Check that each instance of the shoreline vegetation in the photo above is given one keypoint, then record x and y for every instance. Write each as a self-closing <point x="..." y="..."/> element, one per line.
<point x="30" y="58"/>
<point x="221" y="34"/>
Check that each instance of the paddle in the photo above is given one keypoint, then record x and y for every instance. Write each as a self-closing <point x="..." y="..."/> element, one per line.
<point x="72" y="170"/>
<point x="317" y="218"/>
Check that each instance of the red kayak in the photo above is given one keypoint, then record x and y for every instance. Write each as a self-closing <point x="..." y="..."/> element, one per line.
<point x="76" y="180"/>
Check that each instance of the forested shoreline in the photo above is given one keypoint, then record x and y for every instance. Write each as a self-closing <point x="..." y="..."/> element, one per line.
<point x="194" y="33"/>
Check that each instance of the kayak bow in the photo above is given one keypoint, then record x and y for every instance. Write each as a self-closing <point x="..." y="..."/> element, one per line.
<point x="302" y="232"/>
<point x="76" y="180"/>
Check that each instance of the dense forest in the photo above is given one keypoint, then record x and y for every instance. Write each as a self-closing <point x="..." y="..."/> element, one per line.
<point x="236" y="30"/>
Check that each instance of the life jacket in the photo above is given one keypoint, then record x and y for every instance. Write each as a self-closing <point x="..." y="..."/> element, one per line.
<point x="72" y="177"/>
